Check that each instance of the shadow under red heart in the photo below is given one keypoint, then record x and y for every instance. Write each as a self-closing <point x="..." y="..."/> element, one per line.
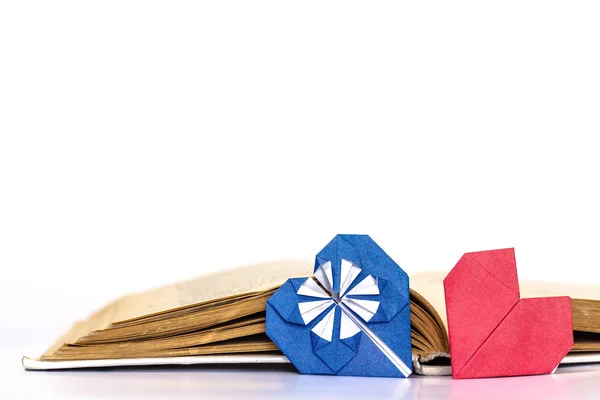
<point x="492" y="331"/>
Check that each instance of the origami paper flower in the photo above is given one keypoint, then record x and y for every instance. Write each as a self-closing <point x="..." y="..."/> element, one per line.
<point x="351" y="318"/>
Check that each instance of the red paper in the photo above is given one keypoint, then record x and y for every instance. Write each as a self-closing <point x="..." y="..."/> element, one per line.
<point x="495" y="333"/>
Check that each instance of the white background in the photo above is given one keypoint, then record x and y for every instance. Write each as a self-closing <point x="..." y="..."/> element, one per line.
<point x="146" y="142"/>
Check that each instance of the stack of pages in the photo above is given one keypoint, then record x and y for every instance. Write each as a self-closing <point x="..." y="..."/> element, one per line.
<point x="220" y="318"/>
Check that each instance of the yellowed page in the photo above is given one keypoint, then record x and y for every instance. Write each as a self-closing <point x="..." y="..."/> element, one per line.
<point x="544" y="289"/>
<point x="430" y="286"/>
<point x="232" y="282"/>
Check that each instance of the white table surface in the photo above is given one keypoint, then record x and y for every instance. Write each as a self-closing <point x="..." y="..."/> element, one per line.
<point x="265" y="382"/>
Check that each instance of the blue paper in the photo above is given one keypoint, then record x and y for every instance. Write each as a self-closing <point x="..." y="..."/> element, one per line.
<point x="352" y="317"/>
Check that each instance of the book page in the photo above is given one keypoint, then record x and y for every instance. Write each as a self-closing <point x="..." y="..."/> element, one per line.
<point x="430" y="286"/>
<point x="545" y="289"/>
<point x="232" y="282"/>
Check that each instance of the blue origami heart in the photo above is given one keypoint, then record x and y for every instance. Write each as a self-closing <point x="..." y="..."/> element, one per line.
<point x="352" y="317"/>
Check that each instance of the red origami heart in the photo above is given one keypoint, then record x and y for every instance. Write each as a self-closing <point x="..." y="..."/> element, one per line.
<point x="492" y="331"/>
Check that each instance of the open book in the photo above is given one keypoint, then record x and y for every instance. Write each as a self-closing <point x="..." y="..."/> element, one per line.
<point x="220" y="318"/>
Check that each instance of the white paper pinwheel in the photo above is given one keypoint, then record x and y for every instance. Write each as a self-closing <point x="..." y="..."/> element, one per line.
<point x="321" y="286"/>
